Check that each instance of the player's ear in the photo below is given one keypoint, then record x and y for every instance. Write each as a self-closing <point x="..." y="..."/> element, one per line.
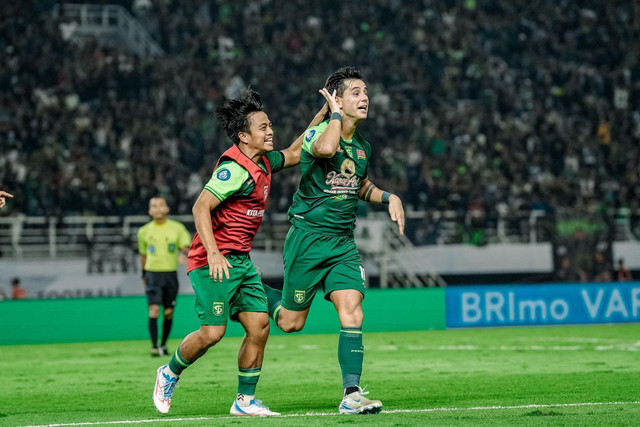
<point x="244" y="137"/>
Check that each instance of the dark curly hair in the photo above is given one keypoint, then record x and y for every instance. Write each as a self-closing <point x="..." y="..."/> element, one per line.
<point x="233" y="114"/>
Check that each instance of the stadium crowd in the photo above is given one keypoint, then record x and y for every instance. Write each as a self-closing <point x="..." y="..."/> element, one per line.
<point x="483" y="108"/>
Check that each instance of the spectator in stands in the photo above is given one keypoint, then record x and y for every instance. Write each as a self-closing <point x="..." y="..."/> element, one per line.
<point x="569" y="272"/>
<point x="160" y="244"/>
<point x="601" y="268"/>
<point x="623" y="273"/>
<point x="17" y="291"/>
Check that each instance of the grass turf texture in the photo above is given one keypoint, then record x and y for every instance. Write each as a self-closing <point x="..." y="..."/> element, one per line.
<point x="454" y="377"/>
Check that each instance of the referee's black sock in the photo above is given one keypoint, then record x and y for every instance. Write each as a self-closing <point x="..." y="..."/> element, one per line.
<point x="153" y="332"/>
<point x="166" y="329"/>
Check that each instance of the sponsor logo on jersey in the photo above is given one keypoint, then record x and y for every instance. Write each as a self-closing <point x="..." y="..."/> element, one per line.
<point x="361" y="154"/>
<point x="223" y="174"/>
<point x="299" y="296"/>
<point x="309" y="136"/>
<point x="266" y="192"/>
<point x="218" y="308"/>
<point x="172" y="247"/>
<point x="255" y="212"/>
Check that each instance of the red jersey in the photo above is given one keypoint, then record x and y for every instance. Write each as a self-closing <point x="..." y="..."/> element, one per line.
<point x="236" y="220"/>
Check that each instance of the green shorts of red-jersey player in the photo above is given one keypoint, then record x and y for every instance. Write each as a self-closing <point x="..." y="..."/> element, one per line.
<point x="315" y="261"/>
<point x="216" y="302"/>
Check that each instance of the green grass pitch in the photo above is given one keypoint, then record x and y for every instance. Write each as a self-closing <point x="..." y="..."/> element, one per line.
<point x="582" y="375"/>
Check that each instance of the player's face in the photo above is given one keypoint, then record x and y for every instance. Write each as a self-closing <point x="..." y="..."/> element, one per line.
<point x="355" y="99"/>
<point x="260" y="136"/>
<point x="158" y="208"/>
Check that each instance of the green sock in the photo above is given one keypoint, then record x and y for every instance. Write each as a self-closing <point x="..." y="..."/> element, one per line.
<point x="178" y="363"/>
<point x="350" y="355"/>
<point x="248" y="380"/>
<point x="274" y="301"/>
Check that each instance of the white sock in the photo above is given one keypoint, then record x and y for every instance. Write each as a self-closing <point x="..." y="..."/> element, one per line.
<point x="168" y="371"/>
<point x="244" y="399"/>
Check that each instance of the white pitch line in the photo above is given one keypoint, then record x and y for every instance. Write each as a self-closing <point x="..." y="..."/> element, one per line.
<point x="331" y="414"/>
<point x="157" y="420"/>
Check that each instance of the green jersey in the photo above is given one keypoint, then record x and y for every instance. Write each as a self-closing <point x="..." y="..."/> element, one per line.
<point x="327" y="197"/>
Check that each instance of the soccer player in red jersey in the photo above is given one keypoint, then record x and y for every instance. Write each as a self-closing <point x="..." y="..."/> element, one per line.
<point x="227" y="216"/>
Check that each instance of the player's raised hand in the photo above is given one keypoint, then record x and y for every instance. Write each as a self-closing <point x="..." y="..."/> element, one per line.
<point x="3" y="201"/>
<point x="218" y="266"/>
<point x="396" y="211"/>
<point x="331" y="100"/>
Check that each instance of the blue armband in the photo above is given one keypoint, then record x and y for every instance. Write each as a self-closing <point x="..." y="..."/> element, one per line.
<point x="336" y="116"/>
<point x="385" y="197"/>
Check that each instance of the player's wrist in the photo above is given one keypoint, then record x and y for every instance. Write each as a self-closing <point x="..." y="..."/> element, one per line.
<point x="336" y="116"/>
<point x="386" y="196"/>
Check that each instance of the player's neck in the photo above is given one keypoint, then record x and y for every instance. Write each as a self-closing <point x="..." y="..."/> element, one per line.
<point x="160" y="221"/>
<point x="349" y="126"/>
<point x="254" y="155"/>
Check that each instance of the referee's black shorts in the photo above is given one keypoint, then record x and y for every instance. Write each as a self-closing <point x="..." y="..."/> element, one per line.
<point x="162" y="288"/>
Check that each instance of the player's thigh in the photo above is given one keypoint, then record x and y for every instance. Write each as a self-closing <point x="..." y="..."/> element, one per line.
<point x="348" y="274"/>
<point x="153" y="288"/>
<point x="304" y="255"/>
<point x="170" y="289"/>
<point x="212" y="298"/>
<point x="250" y="296"/>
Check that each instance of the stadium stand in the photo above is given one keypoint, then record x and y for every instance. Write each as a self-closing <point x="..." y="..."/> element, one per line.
<point x="483" y="113"/>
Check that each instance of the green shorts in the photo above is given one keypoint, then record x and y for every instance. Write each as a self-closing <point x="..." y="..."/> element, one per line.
<point x="313" y="261"/>
<point x="216" y="302"/>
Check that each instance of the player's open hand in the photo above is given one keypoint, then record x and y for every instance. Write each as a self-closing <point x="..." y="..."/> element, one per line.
<point x="3" y="201"/>
<point x="396" y="211"/>
<point x="331" y="100"/>
<point x="218" y="266"/>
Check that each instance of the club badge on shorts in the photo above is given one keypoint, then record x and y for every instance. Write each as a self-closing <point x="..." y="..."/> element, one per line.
<point x="218" y="308"/>
<point x="299" y="296"/>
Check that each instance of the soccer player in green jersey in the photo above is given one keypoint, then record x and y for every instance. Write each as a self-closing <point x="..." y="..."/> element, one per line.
<point x="160" y="243"/>
<point x="320" y="253"/>
<point x="227" y="285"/>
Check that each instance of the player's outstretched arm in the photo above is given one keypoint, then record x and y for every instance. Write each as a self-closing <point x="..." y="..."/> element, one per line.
<point x="3" y="201"/>
<point x="292" y="154"/>
<point x="218" y="264"/>
<point x="372" y="194"/>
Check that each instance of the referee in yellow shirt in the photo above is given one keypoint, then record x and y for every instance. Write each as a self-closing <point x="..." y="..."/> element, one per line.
<point x="159" y="243"/>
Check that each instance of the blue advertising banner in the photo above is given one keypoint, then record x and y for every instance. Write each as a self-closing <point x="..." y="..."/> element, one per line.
<point x="548" y="304"/>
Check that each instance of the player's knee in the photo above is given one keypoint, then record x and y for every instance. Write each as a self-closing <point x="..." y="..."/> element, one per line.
<point x="154" y="311"/>
<point x="211" y="337"/>
<point x="168" y="313"/>
<point x="291" y="326"/>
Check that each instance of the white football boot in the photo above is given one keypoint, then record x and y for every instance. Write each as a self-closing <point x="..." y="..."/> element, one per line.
<point x="356" y="403"/>
<point x="164" y="390"/>
<point x="255" y="408"/>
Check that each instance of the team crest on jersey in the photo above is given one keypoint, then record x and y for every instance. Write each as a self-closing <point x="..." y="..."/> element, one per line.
<point x="309" y="136"/>
<point x="223" y="174"/>
<point x="361" y="154"/>
<point x="266" y="192"/>
<point x="218" y="308"/>
<point x="349" y="151"/>
<point x="348" y="168"/>
<point x="299" y="296"/>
